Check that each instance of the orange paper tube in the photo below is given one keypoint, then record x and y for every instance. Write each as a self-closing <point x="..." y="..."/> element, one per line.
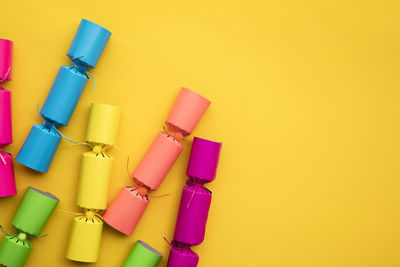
<point x="157" y="161"/>
<point x="126" y="210"/>
<point x="187" y="111"/>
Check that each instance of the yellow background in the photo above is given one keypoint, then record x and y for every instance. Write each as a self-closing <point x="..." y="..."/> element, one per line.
<point x="304" y="97"/>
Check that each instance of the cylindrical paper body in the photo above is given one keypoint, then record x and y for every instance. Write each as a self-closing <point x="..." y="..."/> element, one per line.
<point x="142" y="255"/>
<point x="187" y="111"/>
<point x="94" y="180"/>
<point x="125" y="211"/>
<point x="7" y="180"/>
<point x="5" y="59"/>
<point x="157" y="161"/>
<point x="64" y="95"/>
<point x="203" y="161"/>
<point x="88" y="44"/>
<point x="85" y="239"/>
<point x="103" y="124"/>
<point x="5" y="117"/>
<point x="39" y="148"/>
<point x="182" y="257"/>
<point x="34" y="211"/>
<point x="192" y="216"/>
<point x="13" y="253"/>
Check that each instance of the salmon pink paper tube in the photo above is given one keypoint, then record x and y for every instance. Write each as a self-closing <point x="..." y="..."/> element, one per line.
<point x="157" y="161"/>
<point x="187" y="111"/>
<point x="126" y="210"/>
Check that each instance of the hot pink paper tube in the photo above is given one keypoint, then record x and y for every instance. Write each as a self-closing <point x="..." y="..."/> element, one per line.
<point x="182" y="257"/>
<point x="192" y="216"/>
<point x="5" y="118"/>
<point x="126" y="210"/>
<point x="203" y="161"/>
<point x="157" y="161"/>
<point x="5" y="59"/>
<point x="7" y="181"/>
<point x="187" y="111"/>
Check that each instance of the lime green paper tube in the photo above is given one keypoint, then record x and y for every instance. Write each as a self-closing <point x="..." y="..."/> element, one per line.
<point x="34" y="211"/>
<point x="142" y="255"/>
<point x="13" y="251"/>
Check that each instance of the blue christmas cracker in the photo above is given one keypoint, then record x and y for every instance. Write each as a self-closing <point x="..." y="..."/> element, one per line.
<point x="42" y="142"/>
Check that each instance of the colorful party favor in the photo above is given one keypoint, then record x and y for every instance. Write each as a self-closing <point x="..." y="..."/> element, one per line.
<point x="32" y="215"/>
<point x="86" y="231"/>
<point x="142" y="255"/>
<point x="195" y="203"/>
<point x="42" y="142"/>
<point x="7" y="180"/>
<point x="129" y="205"/>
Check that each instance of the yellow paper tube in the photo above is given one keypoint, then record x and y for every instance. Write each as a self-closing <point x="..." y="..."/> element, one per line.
<point x="94" y="180"/>
<point x="103" y="124"/>
<point x="85" y="239"/>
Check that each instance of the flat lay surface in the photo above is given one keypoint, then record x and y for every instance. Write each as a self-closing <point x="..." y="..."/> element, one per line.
<point x="304" y="99"/>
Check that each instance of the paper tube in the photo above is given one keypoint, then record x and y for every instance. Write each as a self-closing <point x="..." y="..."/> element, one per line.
<point x="34" y="211"/>
<point x="14" y="252"/>
<point x="88" y="44"/>
<point x="182" y="257"/>
<point x="5" y="118"/>
<point x="39" y="148"/>
<point x="187" y="111"/>
<point x="5" y="59"/>
<point x="157" y="161"/>
<point x="193" y="213"/>
<point x="85" y="50"/>
<point x="64" y="95"/>
<point x="204" y="158"/>
<point x="126" y="210"/>
<point x="94" y="180"/>
<point x="7" y="180"/>
<point x="143" y="255"/>
<point x="103" y="124"/>
<point x="85" y="239"/>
